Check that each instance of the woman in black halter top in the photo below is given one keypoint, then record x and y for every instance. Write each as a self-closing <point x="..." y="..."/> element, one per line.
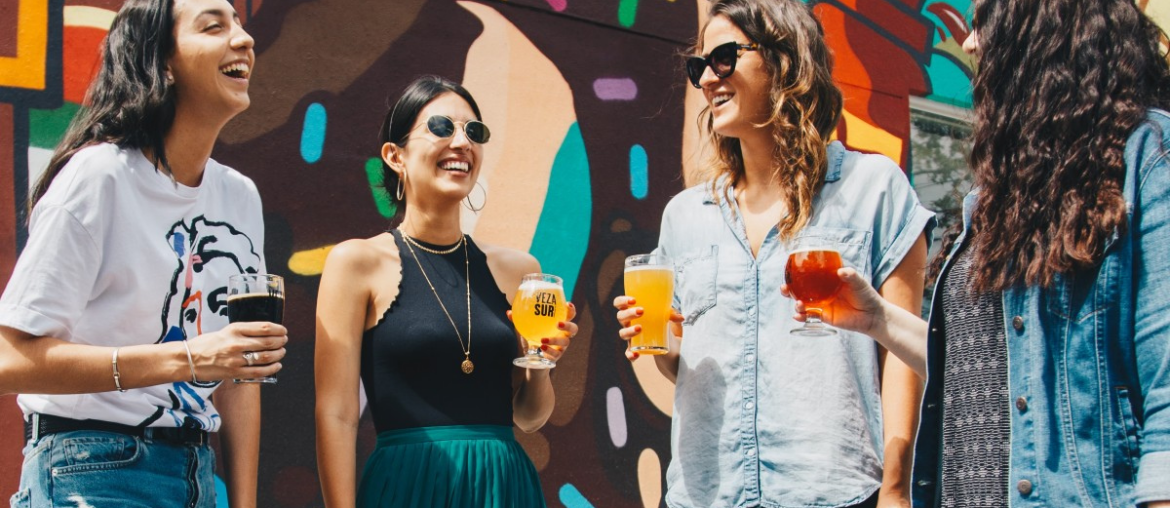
<point x="419" y="316"/>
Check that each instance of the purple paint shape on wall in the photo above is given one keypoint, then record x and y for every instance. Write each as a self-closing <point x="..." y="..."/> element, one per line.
<point x="558" y="5"/>
<point x="615" y="89"/>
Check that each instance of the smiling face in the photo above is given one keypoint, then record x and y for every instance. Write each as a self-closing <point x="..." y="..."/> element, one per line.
<point x="740" y="101"/>
<point x="212" y="60"/>
<point x="438" y="168"/>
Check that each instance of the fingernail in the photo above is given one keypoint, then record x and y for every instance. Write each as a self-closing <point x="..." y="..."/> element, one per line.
<point x="544" y="347"/>
<point x="561" y="324"/>
<point x="631" y="302"/>
<point x="544" y="341"/>
<point x="635" y="356"/>
<point x="638" y="328"/>
<point x="638" y="312"/>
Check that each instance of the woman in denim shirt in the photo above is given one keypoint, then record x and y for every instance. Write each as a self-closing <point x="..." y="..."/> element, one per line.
<point x="763" y="417"/>
<point x="1048" y="347"/>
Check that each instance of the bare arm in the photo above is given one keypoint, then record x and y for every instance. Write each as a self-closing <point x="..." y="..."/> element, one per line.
<point x="901" y="387"/>
<point x="82" y="368"/>
<point x="239" y="439"/>
<point x="342" y="303"/>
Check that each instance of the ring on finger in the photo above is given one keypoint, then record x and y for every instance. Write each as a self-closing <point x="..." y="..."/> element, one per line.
<point x="250" y="357"/>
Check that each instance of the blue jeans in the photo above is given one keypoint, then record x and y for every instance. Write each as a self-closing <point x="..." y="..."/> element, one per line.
<point x="92" y="469"/>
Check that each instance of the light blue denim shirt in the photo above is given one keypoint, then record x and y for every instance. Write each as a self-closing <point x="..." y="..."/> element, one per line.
<point x="1088" y="362"/>
<point x="763" y="417"/>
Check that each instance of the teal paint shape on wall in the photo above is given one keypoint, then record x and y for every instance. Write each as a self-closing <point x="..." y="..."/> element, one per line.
<point x="572" y="498"/>
<point x="378" y="189"/>
<point x="949" y="84"/>
<point x="627" y="11"/>
<point x="562" y="234"/>
<point x="313" y="133"/>
<point x="639" y="172"/>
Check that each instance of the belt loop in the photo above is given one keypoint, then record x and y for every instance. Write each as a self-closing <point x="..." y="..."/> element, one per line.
<point x="36" y="427"/>
<point x="148" y="435"/>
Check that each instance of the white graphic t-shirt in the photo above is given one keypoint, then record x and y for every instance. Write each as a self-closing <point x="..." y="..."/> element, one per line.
<point x="119" y="255"/>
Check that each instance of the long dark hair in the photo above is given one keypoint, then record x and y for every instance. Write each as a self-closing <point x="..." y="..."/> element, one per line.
<point x="129" y="103"/>
<point x="396" y="126"/>
<point x="1061" y="84"/>
<point x="806" y="102"/>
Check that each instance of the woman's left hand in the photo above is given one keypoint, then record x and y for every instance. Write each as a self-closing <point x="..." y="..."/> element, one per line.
<point x="554" y="348"/>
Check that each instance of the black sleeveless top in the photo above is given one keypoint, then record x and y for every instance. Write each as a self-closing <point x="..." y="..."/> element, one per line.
<point x="411" y="358"/>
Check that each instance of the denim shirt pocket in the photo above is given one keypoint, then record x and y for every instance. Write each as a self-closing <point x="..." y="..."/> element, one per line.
<point x="853" y="244"/>
<point x="695" y="276"/>
<point x="1080" y="295"/>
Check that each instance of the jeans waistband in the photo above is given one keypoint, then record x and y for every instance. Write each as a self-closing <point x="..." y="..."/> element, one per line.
<point x="39" y="425"/>
<point x="445" y="433"/>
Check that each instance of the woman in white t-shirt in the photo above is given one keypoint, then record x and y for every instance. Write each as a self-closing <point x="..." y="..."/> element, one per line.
<point x="133" y="233"/>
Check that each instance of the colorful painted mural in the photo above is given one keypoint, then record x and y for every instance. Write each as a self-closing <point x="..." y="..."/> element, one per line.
<point x="593" y="131"/>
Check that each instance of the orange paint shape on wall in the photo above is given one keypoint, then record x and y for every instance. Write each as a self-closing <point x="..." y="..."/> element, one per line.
<point x="27" y="68"/>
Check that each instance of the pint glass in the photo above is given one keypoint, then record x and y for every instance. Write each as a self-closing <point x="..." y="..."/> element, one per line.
<point x="255" y="297"/>
<point x="649" y="279"/>
<point x="538" y="307"/>
<point x="811" y="275"/>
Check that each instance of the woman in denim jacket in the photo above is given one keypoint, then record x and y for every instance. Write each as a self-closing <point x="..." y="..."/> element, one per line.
<point x="1047" y="352"/>
<point x="763" y="417"/>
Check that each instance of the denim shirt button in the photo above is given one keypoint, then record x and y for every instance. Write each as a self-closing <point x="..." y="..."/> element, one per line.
<point x="1022" y="404"/>
<point x="1025" y="487"/>
<point x="1018" y="323"/>
<point x="749" y="405"/>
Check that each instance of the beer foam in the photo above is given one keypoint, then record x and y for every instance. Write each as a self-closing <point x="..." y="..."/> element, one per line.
<point x="253" y="295"/>
<point x="643" y="268"/>
<point x="814" y="249"/>
<point x="539" y="285"/>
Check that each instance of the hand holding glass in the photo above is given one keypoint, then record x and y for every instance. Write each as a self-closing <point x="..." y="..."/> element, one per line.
<point x="537" y="309"/>
<point x="811" y="275"/>
<point x="255" y="297"/>
<point x="649" y="279"/>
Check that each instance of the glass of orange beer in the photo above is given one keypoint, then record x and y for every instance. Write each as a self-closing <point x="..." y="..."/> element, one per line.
<point x="811" y="275"/>
<point x="649" y="279"/>
<point x="539" y="305"/>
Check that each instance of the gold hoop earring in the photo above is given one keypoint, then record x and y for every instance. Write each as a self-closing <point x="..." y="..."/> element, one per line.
<point x="467" y="200"/>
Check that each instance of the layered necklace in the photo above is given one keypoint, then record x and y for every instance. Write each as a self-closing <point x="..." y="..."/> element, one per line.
<point x="411" y="243"/>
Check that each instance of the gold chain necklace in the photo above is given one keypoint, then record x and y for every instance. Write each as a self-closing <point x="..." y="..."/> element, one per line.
<point x="428" y="249"/>
<point x="467" y="366"/>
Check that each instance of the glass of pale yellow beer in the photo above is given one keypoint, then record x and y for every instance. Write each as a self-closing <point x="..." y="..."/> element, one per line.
<point x="650" y="281"/>
<point x="538" y="307"/>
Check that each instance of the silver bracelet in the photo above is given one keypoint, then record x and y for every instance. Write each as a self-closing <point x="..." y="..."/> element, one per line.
<point x="190" y="362"/>
<point x="117" y="375"/>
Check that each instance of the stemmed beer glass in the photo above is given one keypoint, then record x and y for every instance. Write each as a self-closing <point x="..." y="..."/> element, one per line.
<point x="537" y="309"/>
<point x="811" y="275"/>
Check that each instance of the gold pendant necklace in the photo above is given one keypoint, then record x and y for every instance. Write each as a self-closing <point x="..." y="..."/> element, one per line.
<point x="466" y="366"/>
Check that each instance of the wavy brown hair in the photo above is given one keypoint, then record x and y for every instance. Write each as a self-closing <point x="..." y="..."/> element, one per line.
<point x="1060" y="87"/>
<point x="806" y="103"/>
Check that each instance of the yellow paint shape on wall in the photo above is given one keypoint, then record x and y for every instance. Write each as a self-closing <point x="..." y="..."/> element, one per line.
<point x="309" y="262"/>
<point x="509" y="77"/>
<point x="654" y="385"/>
<point x="650" y="478"/>
<point x="90" y="17"/>
<point x="871" y="138"/>
<point x="27" y="68"/>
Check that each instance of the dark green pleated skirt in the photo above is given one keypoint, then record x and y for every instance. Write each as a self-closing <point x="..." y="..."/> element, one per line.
<point x="453" y="466"/>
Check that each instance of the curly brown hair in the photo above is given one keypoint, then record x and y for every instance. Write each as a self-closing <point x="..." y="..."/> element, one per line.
<point x="1060" y="86"/>
<point x="806" y="103"/>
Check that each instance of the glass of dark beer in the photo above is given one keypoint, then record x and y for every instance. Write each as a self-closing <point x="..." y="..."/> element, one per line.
<point x="256" y="297"/>
<point x="811" y="275"/>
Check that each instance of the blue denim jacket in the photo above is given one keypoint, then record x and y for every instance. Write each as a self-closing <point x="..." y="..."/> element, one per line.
<point x="762" y="417"/>
<point x="1088" y="363"/>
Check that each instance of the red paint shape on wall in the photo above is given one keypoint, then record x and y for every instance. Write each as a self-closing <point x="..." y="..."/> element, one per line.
<point x="82" y="56"/>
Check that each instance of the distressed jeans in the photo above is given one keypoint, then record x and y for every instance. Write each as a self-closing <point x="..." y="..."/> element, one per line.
<point x="92" y="469"/>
